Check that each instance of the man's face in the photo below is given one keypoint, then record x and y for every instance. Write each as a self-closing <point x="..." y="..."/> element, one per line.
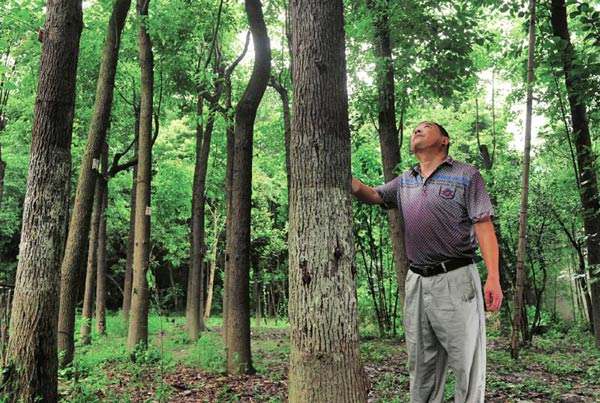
<point x="427" y="136"/>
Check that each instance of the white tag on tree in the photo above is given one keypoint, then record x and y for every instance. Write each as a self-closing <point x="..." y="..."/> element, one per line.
<point x="148" y="210"/>
<point x="95" y="164"/>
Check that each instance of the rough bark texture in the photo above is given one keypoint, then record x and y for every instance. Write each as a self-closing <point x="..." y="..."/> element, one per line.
<point x="325" y="364"/>
<point x="138" y="315"/>
<point x="238" y="244"/>
<point x="518" y="317"/>
<point x="31" y="365"/>
<point x="90" y="275"/>
<point x="228" y="188"/>
<point x="388" y="134"/>
<point x="585" y="158"/>
<point x="101" y="264"/>
<point x="80" y="217"/>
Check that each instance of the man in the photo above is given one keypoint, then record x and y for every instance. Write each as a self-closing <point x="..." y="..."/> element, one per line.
<point x="444" y="208"/>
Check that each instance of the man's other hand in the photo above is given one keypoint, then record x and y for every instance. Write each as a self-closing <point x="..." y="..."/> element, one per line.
<point x="493" y="295"/>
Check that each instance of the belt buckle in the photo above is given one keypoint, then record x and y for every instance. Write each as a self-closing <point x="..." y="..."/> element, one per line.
<point x="426" y="270"/>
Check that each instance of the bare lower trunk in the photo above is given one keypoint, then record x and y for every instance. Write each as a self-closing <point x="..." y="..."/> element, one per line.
<point x="101" y="253"/>
<point x="130" y="242"/>
<point x="2" y="169"/>
<point x="325" y="363"/>
<point x="213" y="265"/>
<point x="138" y="315"/>
<point x="80" y="217"/>
<point x="30" y="372"/>
<point x="238" y="244"/>
<point x="90" y="276"/>
<point x="585" y="157"/>
<point x="519" y="320"/>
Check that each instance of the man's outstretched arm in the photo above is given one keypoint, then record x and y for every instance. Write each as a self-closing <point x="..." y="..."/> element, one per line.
<point x="365" y="193"/>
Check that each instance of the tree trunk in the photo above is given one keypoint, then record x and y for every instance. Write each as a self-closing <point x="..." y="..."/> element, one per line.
<point x="585" y="157"/>
<point x="238" y="244"/>
<point x="90" y="276"/>
<point x="518" y="320"/>
<point x="287" y="125"/>
<point x="325" y="363"/>
<point x="101" y="252"/>
<point x="2" y="170"/>
<point x="80" y="216"/>
<point x="213" y="265"/>
<point x="31" y="367"/>
<point x="195" y="306"/>
<point x="228" y="188"/>
<point x="131" y="237"/>
<point x="138" y="315"/>
<point x="388" y="133"/>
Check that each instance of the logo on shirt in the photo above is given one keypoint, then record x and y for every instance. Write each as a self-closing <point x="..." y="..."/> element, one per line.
<point x="447" y="192"/>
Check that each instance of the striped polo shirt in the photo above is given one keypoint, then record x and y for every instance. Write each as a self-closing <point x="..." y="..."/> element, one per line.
<point x="439" y="212"/>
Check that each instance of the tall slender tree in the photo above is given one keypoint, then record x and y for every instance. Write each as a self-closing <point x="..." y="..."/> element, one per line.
<point x="31" y="361"/>
<point x="138" y="315"/>
<point x="90" y="275"/>
<point x="518" y="323"/>
<point x="80" y="217"/>
<point x="238" y="243"/>
<point x="388" y="132"/>
<point x="101" y="258"/>
<point x="324" y="361"/>
<point x="585" y="157"/>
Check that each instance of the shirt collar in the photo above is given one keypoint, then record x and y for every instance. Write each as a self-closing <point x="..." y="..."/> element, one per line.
<point x="416" y="169"/>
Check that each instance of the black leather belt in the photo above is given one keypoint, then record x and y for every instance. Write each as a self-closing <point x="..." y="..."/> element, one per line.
<point x="444" y="267"/>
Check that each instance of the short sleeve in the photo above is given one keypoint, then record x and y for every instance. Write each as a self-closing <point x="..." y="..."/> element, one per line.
<point x="479" y="205"/>
<point x="389" y="193"/>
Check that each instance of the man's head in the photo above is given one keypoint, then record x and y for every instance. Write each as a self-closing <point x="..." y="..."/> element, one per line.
<point x="431" y="137"/>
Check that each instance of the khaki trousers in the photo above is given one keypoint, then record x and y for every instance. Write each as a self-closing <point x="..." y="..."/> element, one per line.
<point x="444" y="322"/>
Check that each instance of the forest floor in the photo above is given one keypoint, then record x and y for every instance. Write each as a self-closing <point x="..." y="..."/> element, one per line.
<point x="560" y="366"/>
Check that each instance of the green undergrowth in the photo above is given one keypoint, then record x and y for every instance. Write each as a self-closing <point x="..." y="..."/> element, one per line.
<point x="561" y="361"/>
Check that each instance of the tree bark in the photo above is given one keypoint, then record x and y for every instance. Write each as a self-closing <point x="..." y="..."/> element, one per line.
<point x="325" y="363"/>
<point x="101" y="252"/>
<point x="238" y="244"/>
<point x="195" y="297"/>
<point x="213" y="265"/>
<point x="31" y="364"/>
<point x="131" y="237"/>
<point x="138" y="315"/>
<point x="585" y="158"/>
<point x="2" y="170"/>
<point x="519" y="323"/>
<point x="90" y="276"/>
<point x="388" y="133"/>
<point x="80" y="216"/>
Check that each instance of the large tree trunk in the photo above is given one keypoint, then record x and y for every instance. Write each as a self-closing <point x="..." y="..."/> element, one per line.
<point x="101" y="266"/>
<point x="131" y="236"/>
<point x="138" y="315"/>
<point x="80" y="216"/>
<point x="519" y="319"/>
<point x="31" y="364"/>
<point x="238" y="244"/>
<point x="90" y="275"/>
<point x="325" y="363"/>
<point x="388" y="133"/>
<point x="585" y="157"/>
